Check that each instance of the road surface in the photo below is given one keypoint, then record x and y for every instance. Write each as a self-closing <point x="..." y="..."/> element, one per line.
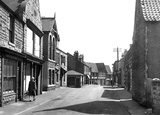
<point x="90" y="99"/>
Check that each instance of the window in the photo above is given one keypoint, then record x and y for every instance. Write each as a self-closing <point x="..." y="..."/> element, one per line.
<point x="11" y="30"/>
<point x="37" y="45"/>
<point x="57" y="76"/>
<point x="53" y="49"/>
<point x="33" y="43"/>
<point x="29" y="41"/>
<point x="50" y="78"/>
<point x="53" y="77"/>
<point x="50" y="53"/>
<point x="9" y="84"/>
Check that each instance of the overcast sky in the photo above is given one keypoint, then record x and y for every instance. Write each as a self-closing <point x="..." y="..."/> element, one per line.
<point x="93" y="27"/>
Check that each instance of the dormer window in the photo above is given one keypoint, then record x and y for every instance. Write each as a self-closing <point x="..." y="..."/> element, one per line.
<point x="11" y="30"/>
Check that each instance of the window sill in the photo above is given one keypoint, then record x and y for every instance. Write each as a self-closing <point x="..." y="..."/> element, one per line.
<point x="8" y="93"/>
<point x="12" y="44"/>
<point x="51" y="85"/>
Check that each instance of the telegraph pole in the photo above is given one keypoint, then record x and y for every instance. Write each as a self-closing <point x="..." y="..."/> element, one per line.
<point x="117" y="50"/>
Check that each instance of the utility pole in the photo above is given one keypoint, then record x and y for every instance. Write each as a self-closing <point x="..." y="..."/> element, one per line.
<point x="117" y="50"/>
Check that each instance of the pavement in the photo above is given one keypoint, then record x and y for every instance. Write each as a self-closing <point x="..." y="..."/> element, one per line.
<point x="21" y="107"/>
<point x="130" y="105"/>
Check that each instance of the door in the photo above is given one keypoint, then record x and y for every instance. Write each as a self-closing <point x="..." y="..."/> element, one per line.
<point x="78" y="83"/>
<point x="19" y="88"/>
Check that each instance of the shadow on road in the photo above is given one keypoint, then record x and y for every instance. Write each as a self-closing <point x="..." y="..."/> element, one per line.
<point x="95" y="107"/>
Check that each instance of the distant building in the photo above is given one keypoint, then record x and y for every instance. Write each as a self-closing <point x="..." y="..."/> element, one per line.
<point x="61" y="66"/>
<point x="94" y="72"/>
<point x="109" y="74"/>
<point x="102" y="73"/>
<point x="76" y="63"/>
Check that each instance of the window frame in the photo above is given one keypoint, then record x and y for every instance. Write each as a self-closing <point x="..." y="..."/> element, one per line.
<point x="11" y="29"/>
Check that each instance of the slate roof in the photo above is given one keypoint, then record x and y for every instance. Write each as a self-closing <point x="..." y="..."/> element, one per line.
<point x="72" y="72"/>
<point x="47" y="24"/>
<point x="101" y="67"/>
<point x="93" y="67"/>
<point x="13" y="4"/>
<point x="108" y="69"/>
<point x="151" y="10"/>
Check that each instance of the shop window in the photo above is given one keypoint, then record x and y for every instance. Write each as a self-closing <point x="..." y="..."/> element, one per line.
<point x="11" y="30"/>
<point x="9" y="84"/>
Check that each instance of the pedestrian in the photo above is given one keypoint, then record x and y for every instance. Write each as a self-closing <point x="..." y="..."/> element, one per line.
<point x="32" y="89"/>
<point x="111" y="82"/>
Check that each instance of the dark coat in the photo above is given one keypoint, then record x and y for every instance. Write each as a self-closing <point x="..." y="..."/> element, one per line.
<point x="32" y="88"/>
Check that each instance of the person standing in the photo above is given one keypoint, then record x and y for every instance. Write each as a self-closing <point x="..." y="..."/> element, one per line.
<point x="32" y="89"/>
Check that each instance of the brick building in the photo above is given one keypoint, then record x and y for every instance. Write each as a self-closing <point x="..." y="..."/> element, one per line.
<point x="76" y="65"/>
<point x="102" y="73"/>
<point x="145" y="59"/>
<point x="21" y="44"/>
<point x="51" y="39"/>
<point x="61" y="62"/>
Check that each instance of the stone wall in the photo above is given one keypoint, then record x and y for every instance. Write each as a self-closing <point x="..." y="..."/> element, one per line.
<point x="4" y="32"/>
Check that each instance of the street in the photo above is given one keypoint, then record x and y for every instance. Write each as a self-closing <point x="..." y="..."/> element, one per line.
<point x="91" y="99"/>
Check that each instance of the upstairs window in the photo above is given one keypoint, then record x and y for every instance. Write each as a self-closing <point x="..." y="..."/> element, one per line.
<point x="29" y="40"/>
<point x="33" y="43"/>
<point x="11" y="30"/>
<point x="37" y="45"/>
<point x="50" y="53"/>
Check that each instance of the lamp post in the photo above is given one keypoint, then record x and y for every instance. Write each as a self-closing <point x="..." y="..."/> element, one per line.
<point x="117" y="70"/>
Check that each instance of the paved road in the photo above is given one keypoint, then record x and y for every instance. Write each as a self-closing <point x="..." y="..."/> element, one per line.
<point x="91" y="99"/>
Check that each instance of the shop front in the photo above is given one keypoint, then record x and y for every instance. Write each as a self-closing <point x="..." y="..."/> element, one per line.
<point x="11" y="67"/>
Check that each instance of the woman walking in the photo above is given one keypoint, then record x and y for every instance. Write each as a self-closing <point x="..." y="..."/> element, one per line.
<point x="32" y="89"/>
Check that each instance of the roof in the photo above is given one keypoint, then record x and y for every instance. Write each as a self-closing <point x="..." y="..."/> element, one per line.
<point x="13" y="4"/>
<point x="72" y="72"/>
<point x="47" y="23"/>
<point x="151" y="10"/>
<point x="93" y="67"/>
<point x="108" y="69"/>
<point x="101" y="67"/>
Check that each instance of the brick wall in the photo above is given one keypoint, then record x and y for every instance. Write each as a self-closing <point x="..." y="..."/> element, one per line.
<point x="146" y="55"/>
<point x="138" y="59"/>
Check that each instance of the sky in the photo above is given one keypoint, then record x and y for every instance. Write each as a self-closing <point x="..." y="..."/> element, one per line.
<point x="92" y="27"/>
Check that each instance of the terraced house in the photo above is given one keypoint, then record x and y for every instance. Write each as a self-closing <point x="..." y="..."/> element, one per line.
<point x="21" y="44"/>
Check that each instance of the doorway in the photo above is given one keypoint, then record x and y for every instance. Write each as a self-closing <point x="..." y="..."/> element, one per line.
<point x="19" y="81"/>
